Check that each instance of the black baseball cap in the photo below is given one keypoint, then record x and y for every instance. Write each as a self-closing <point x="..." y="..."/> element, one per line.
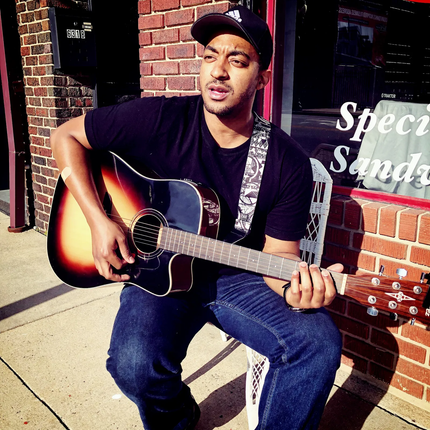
<point x="253" y="28"/>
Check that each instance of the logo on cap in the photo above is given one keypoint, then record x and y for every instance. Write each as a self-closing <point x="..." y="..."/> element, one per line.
<point x="235" y="15"/>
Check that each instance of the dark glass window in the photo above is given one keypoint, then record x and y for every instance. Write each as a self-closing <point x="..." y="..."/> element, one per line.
<point x="353" y="88"/>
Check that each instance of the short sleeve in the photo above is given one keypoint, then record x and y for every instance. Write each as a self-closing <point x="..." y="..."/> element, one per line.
<point x="289" y="216"/>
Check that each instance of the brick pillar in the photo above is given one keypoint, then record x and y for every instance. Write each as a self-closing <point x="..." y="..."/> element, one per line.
<point x="52" y="98"/>
<point x="170" y="57"/>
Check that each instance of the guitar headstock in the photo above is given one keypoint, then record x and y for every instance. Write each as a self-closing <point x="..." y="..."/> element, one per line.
<point x="408" y="299"/>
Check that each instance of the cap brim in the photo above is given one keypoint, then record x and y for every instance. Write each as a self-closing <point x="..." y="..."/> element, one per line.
<point x="205" y="27"/>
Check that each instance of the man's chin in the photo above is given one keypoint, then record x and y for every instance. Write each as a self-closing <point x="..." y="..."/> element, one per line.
<point x="218" y="110"/>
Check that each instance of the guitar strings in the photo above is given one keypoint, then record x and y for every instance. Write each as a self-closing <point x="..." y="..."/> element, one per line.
<point x="149" y="235"/>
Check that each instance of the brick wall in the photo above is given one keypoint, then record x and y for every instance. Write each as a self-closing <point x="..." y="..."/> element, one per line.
<point x="51" y="97"/>
<point x="170" y="57"/>
<point x="363" y="235"/>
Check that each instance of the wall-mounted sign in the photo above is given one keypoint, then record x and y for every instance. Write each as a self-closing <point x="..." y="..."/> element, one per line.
<point x="73" y="39"/>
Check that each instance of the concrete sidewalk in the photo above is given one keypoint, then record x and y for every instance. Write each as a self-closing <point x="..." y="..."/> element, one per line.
<point x="53" y="343"/>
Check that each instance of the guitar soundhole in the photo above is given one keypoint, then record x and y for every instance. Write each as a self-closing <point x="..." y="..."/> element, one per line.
<point x="146" y="229"/>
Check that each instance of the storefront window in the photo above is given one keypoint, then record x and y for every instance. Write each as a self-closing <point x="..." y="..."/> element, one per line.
<point x="355" y="85"/>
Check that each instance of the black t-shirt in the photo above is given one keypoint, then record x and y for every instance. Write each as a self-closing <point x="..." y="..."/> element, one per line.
<point x="170" y="137"/>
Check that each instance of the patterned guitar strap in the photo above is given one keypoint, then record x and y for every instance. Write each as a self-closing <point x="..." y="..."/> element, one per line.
<point x="253" y="174"/>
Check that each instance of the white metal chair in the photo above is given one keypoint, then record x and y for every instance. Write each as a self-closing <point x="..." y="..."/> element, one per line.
<point x="311" y="247"/>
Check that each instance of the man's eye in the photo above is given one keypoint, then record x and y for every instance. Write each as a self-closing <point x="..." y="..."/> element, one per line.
<point x="237" y="63"/>
<point x="209" y="58"/>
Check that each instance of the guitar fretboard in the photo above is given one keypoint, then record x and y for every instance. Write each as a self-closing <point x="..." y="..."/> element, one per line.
<point x="231" y="255"/>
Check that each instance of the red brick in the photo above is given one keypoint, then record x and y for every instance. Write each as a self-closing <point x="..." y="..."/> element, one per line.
<point x="183" y="50"/>
<point x="420" y="255"/>
<point x="152" y="21"/>
<point x="416" y="333"/>
<point x="352" y="214"/>
<point x="25" y="50"/>
<point x="382" y="321"/>
<point x="170" y="35"/>
<point x="41" y="92"/>
<point x="408" y="224"/>
<point x="213" y="8"/>
<point x="181" y="83"/>
<point x="336" y="211"/>
<point x="151" y="83"/>
<point x="412" y="351"/>
<point x="357" y="363"/>
<point x="194" y="2"/>
<point x="46" y="25"/>
<point x="337" y="236"/>
<point x="42" y="112"/>
<point x="144" y="7"/>
<point x="39" y="71"/>
<point x="190" y="66"/>
<point x="27" y="17"/>
<point x="185" y="36"/>
<point x="381" y="246"/>
<point x="350" y="257"/>
<point x="145" y="38"/>
<point x="160" y="5"/>
<point x="180" y="17"/>
<point x="151" y="54"/>
<point x="46" y="59"/>
<point x="384" y="340"/>
<point x="370" y="352"/>
<point x="388" y="220"/>
<point x="390" y="266"/>
<point x="408" y="386"/>
<point x="399" y="346"/>
<point x="352" y="327"/>
<point x="370" y="217"/>
<point x="146" y="69"/>
<point x="424" y="232"/>
<point x="35" y="28"/>
<point x="31" y="61"/>
<point x="380" y="372"/>
<point x="166" y="68"/>
<point x="32" y="82"/>
<point x="419" y="373"/>
<point x="34" y="101"/>
<point x="338" y="305"/>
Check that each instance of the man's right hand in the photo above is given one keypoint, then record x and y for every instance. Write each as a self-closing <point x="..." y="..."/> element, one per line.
<point x="110" y="249"/>
<point x="71" y="149"/>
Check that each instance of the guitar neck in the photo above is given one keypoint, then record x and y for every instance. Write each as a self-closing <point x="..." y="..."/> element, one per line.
<point x="233" y="255"/>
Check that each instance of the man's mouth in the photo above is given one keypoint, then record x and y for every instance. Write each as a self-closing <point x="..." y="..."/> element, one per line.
<point x="218" y="92"/>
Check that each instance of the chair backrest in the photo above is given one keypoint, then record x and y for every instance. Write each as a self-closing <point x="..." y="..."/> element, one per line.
<point x="311" y="246"/>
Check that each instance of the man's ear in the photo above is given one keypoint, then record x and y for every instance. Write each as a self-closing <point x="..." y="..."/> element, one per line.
<point x="263" y="78"/>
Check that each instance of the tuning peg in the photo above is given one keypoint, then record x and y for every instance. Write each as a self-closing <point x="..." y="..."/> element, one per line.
<point x="393" y="316"/>
<point x="373" y="312"/>
<point x="413" y="321"/>
<point x="381" y="270"/>
<point x="401" y="273"/>
<point x="425" y="276"/>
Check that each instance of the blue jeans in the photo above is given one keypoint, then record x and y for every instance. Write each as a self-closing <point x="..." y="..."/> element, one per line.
<point x="151" y="335"/>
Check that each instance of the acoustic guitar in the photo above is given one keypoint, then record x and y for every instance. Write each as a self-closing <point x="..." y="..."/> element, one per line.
<point x="171" y="222"/>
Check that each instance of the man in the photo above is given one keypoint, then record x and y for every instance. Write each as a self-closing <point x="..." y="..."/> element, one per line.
<point x="206" y="139"/>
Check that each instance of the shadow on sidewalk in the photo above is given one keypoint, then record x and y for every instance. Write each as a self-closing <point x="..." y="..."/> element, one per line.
<point x="33" y="300"/>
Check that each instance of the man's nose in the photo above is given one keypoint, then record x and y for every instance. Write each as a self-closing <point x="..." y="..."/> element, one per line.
<point x="219" y="69"/>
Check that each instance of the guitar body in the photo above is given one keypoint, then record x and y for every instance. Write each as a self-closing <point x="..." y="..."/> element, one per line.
<point x="141" y="206"/>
